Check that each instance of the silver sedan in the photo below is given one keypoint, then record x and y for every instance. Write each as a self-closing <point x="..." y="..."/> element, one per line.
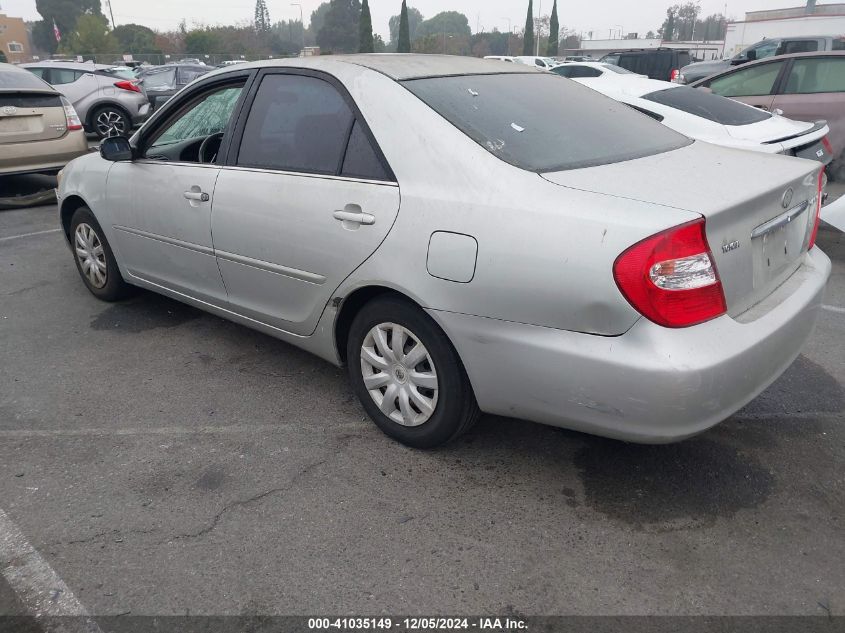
<point x="464" y="235"/>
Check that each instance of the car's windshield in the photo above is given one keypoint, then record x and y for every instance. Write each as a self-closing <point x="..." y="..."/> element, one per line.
<point x="540" y="123"/>
<point x="708" y="105"/>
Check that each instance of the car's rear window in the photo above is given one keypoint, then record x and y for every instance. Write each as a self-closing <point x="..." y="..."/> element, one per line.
<point x="708" y="106"/>
<point x="539" y="123"/>
<point x="17" y="80"/>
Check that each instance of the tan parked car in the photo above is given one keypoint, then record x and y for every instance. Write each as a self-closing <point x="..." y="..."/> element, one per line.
<point x="39" y="129"/>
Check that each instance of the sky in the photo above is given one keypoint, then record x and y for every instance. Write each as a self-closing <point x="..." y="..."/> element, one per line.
<point x="599" y="16"/>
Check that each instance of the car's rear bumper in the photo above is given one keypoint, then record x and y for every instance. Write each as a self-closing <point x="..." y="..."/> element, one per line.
<point x="651" y="384"/>
<point x="42" y="156"/>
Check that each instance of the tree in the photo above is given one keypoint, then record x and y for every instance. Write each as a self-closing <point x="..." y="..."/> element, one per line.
<point x="378" y="44"/>
<point x="404" y="41"/>
<point x="134" y="38"/>
<point x="262" y="17"/>
<point x="365" y="30"/>
<point x="414" y="20"/>
<point x="528" y="38"/>
<point x="667" y="31"/>
<point x="554" y="33"/>
<point x="204" y="40"/>
<point x="445" y="22"/>
<point x="90" y="37"/>
<point x="65" y="14"/>
<point x="339" y="32"/>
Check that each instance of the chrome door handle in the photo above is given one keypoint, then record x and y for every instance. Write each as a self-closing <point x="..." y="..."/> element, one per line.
<point x="354" y="217"/>
<point x="199" y="196"/>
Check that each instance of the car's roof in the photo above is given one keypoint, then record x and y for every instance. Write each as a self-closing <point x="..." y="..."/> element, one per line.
<point x="634" y="85"/>
<point x="398" y="66"/>
<point x="593" y="64"/>
<point x="71" y="65"/>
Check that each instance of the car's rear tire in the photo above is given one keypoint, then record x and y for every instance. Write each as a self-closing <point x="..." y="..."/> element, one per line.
<point x="109" y="121"/>
<point x="94" y="258"/>
<point x="407" y="375"/>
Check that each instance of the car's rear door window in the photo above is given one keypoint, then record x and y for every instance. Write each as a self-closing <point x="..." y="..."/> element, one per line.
<point x="816" y="74"/>
<point x="59" y="76"/>
<point x="296" y="123"/>
<point x="539" y="123"/>
<point x="708" y="106"/>
<point x="798" y="46"/>
<point x="361" y="159"/>
<point x="753" y="81"/>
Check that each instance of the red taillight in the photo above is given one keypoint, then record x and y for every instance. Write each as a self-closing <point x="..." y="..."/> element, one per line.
<point x="671" y="278"/>
<point x="826" y="143"/>
<point x="73" y="122"/>
<point x="815" y="231"/>
<point x="127" y="85"/>
<point x="674" y="74"/>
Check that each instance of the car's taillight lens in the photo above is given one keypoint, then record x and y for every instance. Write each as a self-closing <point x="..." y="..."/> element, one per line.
<point x="826" y="143"/>
<point x="674" y="74"/>
<point x="815" y="230"/>
<point x="72" y="118"/>
<point x="671" y="278"/>
<point x="127" y="85"/>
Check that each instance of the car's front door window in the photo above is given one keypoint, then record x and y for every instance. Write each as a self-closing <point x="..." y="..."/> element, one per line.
<point x="182" y="137"/>
<point x="816" y="75"/>
<point x="748" y="82"/>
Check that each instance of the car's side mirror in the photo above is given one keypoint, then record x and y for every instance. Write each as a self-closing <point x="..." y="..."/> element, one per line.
<point x="116" y="148"/>
<point x="751" y="55"/>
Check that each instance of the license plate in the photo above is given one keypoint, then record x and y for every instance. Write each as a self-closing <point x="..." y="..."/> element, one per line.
<point x="816" y="151"/>
<point x="14" y="124"/>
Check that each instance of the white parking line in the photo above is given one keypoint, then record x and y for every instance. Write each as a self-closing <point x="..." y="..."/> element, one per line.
<point x="37" y="585"/>
<point x="836" y="309"/>
<point x="179" y="430"/>
<point x="17" y="237"/>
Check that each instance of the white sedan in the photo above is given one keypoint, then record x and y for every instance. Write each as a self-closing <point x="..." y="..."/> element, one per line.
<point x="705" y="116"/>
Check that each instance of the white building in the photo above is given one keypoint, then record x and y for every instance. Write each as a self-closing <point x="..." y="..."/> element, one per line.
<point x="825" y="19"/>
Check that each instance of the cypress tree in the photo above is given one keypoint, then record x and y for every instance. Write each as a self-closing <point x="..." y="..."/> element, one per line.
<point x="365" y="29"/>
<point x="554" y="33"/>
<point x="404" y="31"/>
<point x="528" y="38"/>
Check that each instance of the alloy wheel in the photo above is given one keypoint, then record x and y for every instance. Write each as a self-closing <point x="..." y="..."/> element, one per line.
<point x="110" y="123"/>
<point x="399" y="374"/>
<point x="90" y="254"/>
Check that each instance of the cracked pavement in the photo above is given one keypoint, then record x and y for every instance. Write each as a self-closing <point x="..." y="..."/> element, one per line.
<point x="165" y="461"/>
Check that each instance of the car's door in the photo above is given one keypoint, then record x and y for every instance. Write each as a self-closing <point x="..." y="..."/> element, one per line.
<point x="305" y="198"/>
<point x="76" y="85"/>
<point x="814" y="89"/>
<point x="161" y="202"/>
<point x="754" y="85"/>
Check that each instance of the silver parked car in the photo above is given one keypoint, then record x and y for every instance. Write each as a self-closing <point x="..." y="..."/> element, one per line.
<point x="463" y="248"/>
<point x="109" y="100"/>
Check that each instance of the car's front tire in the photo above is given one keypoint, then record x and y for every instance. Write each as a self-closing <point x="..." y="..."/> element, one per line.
<point x="407" y="375"/>
<point x="94" y="258"/>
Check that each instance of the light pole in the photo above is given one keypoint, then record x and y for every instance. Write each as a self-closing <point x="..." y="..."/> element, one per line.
<point x="302" y="24"/>
<point x="537" y="30"/>
<point x="510" y="30"/>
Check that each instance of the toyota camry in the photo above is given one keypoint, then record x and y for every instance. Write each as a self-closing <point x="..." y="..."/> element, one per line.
<point x="464" y="235"/>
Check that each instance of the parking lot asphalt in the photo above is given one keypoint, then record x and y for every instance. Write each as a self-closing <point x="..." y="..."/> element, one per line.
<point x="160" y="460"/>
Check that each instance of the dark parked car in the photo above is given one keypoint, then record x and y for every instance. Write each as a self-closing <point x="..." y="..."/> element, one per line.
<point x="162" y="82"/>
<point x="761" y="50"/>
<point x="803" y="86"/>
<point x="655" y="63"/>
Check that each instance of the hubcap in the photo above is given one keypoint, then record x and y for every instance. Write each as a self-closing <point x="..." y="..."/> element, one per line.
<point x="399" y="374"/>
<point x="90" y="254"/>
<point x="110" y="123"/>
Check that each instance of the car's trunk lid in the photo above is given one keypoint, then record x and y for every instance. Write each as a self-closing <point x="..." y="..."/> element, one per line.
<point x="31" y="116"/>
<point x="757" y="207"/>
